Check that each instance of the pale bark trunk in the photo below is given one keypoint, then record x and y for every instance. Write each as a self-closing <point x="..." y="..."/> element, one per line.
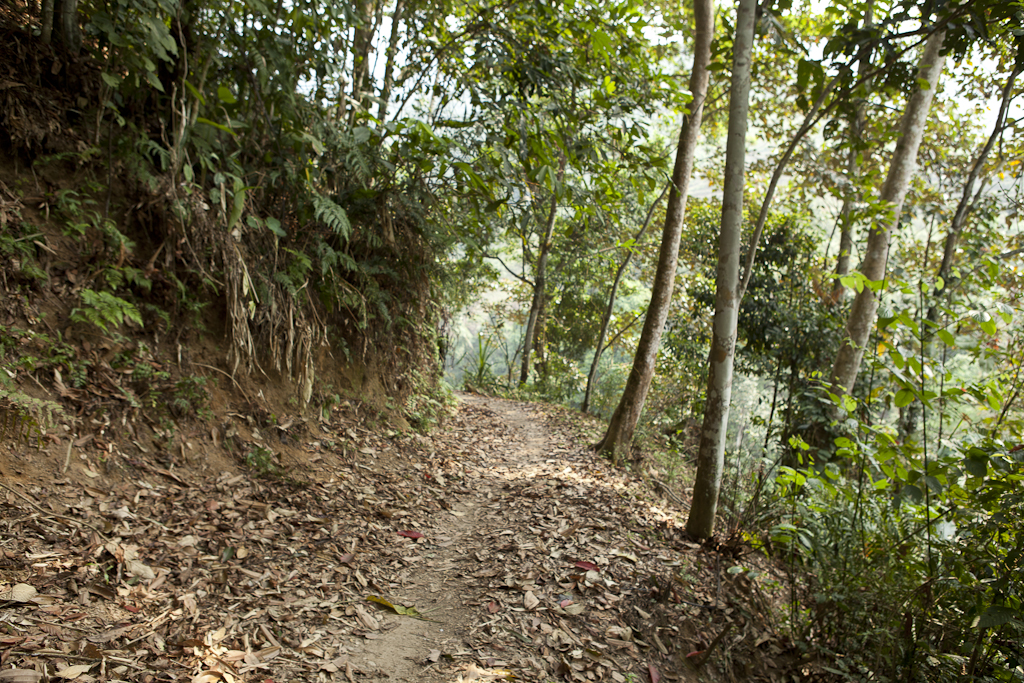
<point x="963" y="207"/>
<point x="618" y="439"/>
<point x="362" y="41"/>
<point x="894" y="191"/>
<point x="389" y="67"/>
<point x="910" y="416"/>
<point x="538" y="289"/>
<point x="711" y="451"/>
<point x="609" y="309"/>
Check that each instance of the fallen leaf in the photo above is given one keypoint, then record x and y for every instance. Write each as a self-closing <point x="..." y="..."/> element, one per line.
<point x="73" y="672"/>
<point x="20" y="676"/>
<point x="410" y="534"/>
<point x="530" y="600"/>
<point x="626" y="556"/>
<point x="590" y="566"/>
<point x="19" y="592"/>
<point x="655" y="676"/>
<point x="143" y="571"/>
<point x="207" y="677"/>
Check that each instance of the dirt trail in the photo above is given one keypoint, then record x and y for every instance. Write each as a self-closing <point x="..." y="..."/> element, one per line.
<point x="505" y="546"/>
<point x="446" y="591"/>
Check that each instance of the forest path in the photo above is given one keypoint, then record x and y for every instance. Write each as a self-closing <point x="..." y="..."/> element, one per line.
<point x="473" y="529"/>
<point x="499" y="545"/>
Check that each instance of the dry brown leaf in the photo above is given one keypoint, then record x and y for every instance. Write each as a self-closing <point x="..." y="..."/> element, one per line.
<point x="208" y="677"/>
<point x="530" y="601"/>
<point x="52" y="629"/>
<point x="19" y="592"/>
<point x="73" y="672"/>
<point x="20" y="676"/>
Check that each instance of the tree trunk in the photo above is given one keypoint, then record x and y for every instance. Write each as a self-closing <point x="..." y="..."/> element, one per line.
<point x="910" y="415"/>
<point x="70" y="35"/>
<point x="618" y="439"/>
<point x="47" y="22"/>
<point x="711" y="452"/>
<point x="538" y="287"/>
<point x="389" y="67"/>
<point x="894" y="191"/>
<point x="857" y="122"/>
<point x="963" y="207"/>
<point x="362" y="41"/>
<point x="607" y="317"/>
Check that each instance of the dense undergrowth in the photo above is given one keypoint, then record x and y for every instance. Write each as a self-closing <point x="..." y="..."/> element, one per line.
<point x="164" y="199"/>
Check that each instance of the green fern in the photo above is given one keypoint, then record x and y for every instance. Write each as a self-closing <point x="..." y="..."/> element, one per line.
<point x="23" y="417"/>
<point x="328" y="211"/>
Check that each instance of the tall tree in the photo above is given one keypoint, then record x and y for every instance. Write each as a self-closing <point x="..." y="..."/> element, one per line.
<point x="610" y="306"/>
<point x="728" y="287"/>
<point x="857" y="120"/>
<point x="539" y="282"/>
<point x="618" y="438"/>
<point x="893" y="193"/>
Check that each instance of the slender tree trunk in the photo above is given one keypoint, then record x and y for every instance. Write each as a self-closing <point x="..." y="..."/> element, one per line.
<point x="362" y="41"/>
<point x="70" y="34"/>
<point x="607" y="317"/>
<point x="47" y="22"/>
<point x="910" y="415"/>
<point x="846" y="220"/>
<point x="894" y="191"/>
<point x="618" y="439"/>
<point x="857" y="122"/>
<point x="389" y="67"/>
<point x="711" y="452"/>
<point x="963" y="207"/>
<point x="538" y="287"/>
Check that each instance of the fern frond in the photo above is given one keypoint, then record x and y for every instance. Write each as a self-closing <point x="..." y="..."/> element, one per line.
<point x="328" y="211"/>
<point x="23" y="417"/>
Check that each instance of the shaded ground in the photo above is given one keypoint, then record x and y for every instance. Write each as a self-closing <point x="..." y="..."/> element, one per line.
<point x="497" y="547"/>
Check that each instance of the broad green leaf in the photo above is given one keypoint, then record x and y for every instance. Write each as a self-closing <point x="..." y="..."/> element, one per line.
<point x="904" y="397"/>
<point x="976" y="466"/>
<point x="854" y="280"/>
<point x="237" y="206"/>
<point x="154" y="81"/>
<point x="913" y="493"/>
<point x="200" y="119"/>
<point x="274" y="226"/>
<point x="947" y="338"/>
<point x="195" y="93"/>
<point x="997" y="615"/>
<point x="111" y="80"/>
<point x="602" y="44"/>
<point x="225" y="95"/>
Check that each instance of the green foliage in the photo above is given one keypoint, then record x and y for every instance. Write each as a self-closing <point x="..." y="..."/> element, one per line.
<point x="23" y="418"/>
<point x="263" y="462"/>
<point x="910" y="553"/>
<point x="104" y="310"/>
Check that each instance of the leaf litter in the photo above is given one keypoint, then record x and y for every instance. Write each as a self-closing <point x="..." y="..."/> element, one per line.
<point x="498" y="548"/>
